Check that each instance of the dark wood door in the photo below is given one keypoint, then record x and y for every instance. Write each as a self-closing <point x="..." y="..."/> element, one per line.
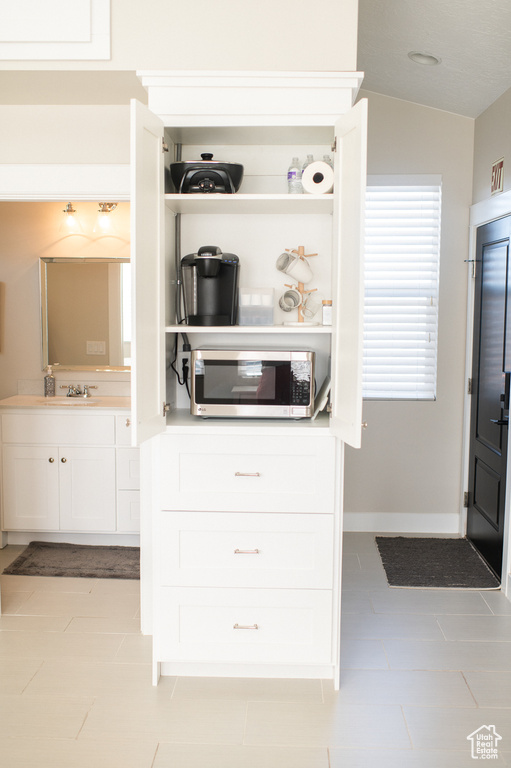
<point x="490" y="392"/>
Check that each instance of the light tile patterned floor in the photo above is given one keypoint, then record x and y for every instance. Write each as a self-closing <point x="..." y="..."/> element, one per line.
<point x="421" y="671"/>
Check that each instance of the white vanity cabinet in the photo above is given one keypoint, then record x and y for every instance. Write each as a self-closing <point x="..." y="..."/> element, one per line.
<point x="243" y="531"/>
<point x="54" y="487"/>
<point x="60" y="471"/>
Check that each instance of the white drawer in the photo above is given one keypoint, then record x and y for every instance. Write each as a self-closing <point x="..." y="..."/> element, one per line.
<point x="128" y="468"/>
<point x="128" y="511"/>
<point x="58" y="429"/>
<point x="250" y="549"/>
<point x="248" y="473"/>
<point x="237" y="625"/>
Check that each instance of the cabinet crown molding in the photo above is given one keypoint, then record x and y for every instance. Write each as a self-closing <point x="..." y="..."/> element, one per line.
<point x="291" y="98"/>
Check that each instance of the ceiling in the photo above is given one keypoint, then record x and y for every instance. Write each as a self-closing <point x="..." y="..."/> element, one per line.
<point x="471" y="37"/>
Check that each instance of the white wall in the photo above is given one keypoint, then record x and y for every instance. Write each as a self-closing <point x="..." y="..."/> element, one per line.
<point x="407" y="475"/>
<point x="64" y="134"/>
<point x="226" y="34"/>
<point x="491" y="142"/>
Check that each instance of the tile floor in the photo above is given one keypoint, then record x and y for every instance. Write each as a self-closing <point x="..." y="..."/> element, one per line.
<point x="421" y="671"/>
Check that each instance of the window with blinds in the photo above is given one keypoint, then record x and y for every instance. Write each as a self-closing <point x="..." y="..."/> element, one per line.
<point x="402" y="250"/>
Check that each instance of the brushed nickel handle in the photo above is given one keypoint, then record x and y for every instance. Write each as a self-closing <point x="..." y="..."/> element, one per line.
<point x="246" y="626"/>
<point x="63" y="461"/>
<point x="51" y="460"/>
<point x="247" y="474"/>
<point x="247" y="551"/>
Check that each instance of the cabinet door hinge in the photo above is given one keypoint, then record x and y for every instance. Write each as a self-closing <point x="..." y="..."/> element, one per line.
<point x="334" y="145"/>
<point x="164" y="145"/>
<point x="466" y="499"/>
<point x="166" y="408"/>
<point x="469" y="386"/>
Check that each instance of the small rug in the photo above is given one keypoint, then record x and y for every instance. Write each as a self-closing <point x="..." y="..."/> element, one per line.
<point x="429" y="563"/>
<point x="44" y="558"/>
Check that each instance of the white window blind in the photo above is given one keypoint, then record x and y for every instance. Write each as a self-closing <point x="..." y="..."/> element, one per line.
<point x="402" y="249"/>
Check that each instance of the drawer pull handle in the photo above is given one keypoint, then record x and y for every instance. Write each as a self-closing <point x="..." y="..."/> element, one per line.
<point x="247" y="474"/>
<point x="247" y="551"/>
<point x="246" y="626"/>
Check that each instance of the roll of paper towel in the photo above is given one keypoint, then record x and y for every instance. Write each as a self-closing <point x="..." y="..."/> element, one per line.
<point x="318" y="178"/>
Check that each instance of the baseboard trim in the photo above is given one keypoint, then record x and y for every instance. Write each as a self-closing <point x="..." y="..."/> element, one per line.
<point x="97" y="539"/>
<point x="389" y="522"/>
<point x="226" y="669"/>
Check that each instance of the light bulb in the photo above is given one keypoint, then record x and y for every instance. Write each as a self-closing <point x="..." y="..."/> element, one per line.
<point x="104" y="225"/>
<point x="70" y="224"/>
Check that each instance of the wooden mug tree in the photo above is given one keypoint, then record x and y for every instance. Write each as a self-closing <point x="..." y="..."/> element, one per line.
<point x="301" y="286"/>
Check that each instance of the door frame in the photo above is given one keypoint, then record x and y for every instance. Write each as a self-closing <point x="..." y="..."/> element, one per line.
<point x="480" y="214"/>
<point x="53" y="182"/>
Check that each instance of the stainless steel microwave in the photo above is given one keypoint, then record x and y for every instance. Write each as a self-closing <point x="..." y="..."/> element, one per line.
<point x="252" y="383"/>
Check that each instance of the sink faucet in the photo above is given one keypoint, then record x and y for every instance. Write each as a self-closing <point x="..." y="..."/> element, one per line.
<point x="72" y="391"/>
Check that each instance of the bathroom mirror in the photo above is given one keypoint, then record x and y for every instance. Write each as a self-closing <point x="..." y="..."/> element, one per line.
<point x="86" y="313"/>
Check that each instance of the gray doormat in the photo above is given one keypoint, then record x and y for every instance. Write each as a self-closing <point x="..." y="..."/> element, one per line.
<point x="429" y="563"/>
<point x="44" y="558"/>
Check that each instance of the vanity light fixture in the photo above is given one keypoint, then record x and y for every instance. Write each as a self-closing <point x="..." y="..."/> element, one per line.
<point x="427" y="59"/>
<point x="104" y="224"/>
<point x="70" y="224"/>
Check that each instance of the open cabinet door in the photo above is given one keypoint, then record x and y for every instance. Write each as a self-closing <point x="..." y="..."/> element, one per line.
<point x="348" y="274"/>
<point x="148" y="291"/>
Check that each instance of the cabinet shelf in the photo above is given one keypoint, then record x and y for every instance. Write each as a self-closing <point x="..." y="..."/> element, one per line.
<point x="251" y="329"/>
<point x="250" y="203"/>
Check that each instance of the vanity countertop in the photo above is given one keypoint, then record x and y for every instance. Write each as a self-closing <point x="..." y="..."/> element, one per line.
<point x="64" y="403"/>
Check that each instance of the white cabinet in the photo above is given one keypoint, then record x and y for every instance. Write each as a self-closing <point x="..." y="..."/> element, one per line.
<point x="246" y="538"/>
<point x="128" y="490"/>
<point x="250" y="585"/>
<point x="63" y="472"/>
<point x="247" y="473"/>
<point x="245" y="549"/>
<point x="87" y="489"/>
<point x="30" y="488"/>
<point x="257" y="626"/>
<point x="51" y="488"/>
<point x="247" y="576"/>
<point x="128" y="478"/>
<point x="241" y="116"/>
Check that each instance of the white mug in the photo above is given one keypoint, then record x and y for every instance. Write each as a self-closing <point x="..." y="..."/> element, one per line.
<point x="290" y="300"/>
<point x="295" y="267"/>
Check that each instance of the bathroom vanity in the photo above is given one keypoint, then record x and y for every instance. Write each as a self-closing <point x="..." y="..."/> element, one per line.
<point x="68" y="466"/>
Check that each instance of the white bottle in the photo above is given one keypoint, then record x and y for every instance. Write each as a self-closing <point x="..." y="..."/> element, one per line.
<point x="49" y="383"/>
<point x="294" y="178"/>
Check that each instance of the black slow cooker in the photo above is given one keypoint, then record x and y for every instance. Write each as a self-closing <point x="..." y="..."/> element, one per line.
<point x="206" y="176"/>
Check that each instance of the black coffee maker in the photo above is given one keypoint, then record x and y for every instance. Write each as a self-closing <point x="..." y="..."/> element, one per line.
<point x="210" y="283"/>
